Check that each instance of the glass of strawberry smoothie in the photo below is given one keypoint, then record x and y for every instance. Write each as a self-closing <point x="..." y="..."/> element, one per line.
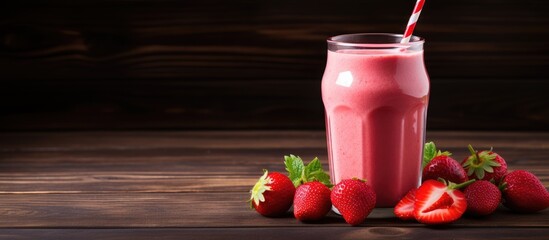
<point x="375" y="92"/>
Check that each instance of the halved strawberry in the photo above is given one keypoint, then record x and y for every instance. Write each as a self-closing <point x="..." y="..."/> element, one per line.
<point x="405" y="207"/>
<point x="437" y="203"/>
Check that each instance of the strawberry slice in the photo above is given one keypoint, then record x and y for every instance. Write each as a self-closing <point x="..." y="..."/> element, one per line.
<point x="405" y="207"/>
<point x="437" y="203"/>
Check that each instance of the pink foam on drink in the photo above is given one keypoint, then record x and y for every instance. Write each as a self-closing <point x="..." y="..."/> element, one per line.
<point x="376" y="104"/>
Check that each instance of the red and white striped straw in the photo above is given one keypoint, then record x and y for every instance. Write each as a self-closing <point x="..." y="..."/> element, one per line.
<point x="412" y="22"/>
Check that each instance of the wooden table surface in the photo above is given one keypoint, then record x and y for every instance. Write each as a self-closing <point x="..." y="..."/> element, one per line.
<point x="194" y="185"/>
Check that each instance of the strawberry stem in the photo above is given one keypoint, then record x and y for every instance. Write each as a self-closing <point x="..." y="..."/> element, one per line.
<point x="502" y="186"/>
<point x="474" y="153"/>
<point x="452" y="185"/>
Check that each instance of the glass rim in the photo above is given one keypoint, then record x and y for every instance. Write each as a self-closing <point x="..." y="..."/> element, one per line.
<point x="414" y="40"/>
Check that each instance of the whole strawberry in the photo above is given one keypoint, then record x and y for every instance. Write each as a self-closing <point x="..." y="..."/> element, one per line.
<point x="484" y="165"/>
<point x="311" y="201"/>
<point x="524" y="192"/>
<point x="273" y="194"/>
<point x="437" y="164"/>
<point x="483" y="198"/>
<point x="312" y="196"/>
<point x="354" y="199"/>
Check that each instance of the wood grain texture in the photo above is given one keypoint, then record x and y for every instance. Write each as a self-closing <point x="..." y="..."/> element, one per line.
<point x="194" y="185"/>
<point x="212" y="64"/>
<point x="342" y="233"/>
<point x="195" y="210"/>
<point x="179" y="162"/>
<point x="28" y="142"/>
<point x="103" y="173"/>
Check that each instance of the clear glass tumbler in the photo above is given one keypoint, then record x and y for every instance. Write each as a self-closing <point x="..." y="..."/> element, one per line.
<point x="375" y="92"/>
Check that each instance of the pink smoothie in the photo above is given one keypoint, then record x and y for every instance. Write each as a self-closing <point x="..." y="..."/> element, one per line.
<point x="376" y="105"/>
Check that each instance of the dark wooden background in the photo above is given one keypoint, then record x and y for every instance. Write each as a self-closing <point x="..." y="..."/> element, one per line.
<point x="243" y="64"/>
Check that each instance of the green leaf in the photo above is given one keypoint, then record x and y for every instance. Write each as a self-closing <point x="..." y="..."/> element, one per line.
<point x="481" y="162"/>
<point x="487" y="168"/>
<point x="445" y="153"/>
<point x="295" y="168"/>
<point x="313" y="166"/>
<point x="429" y="152"/>
<point x="299" y="173"/>
<point x="493" y="164"/>
<point x="314" y="172"/>
<point x="322" y="177"/>
<point x="479" y="172"/>
<point x="470" y="171"/>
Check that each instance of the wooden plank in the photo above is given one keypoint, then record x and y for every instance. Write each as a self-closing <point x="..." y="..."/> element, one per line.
<point x="190" y="162"/>
<point x="268" y="233"/>
<point x="140" y="182"/>
<point x="137" y="172"/>
<point x="220" y="162"/>
<point x="157" y="175"/>
<point x="222" y="105"/>
<point x="249" y="64"/>
<point x="62" y="181"/>
<point x="229" y="209"/>
<point x="14" y="142"/>
<point x="179" y="39"/>
<point x="145" y="140"/>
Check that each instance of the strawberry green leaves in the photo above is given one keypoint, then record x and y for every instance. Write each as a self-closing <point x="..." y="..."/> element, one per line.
<point x="430" y="152"/>
<point x="295" y="167"/>
<point x="300" y="173"/>
<point x="259" y="188"/>
<point x="480" y="163"/>
<point x="313" y="171"/>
